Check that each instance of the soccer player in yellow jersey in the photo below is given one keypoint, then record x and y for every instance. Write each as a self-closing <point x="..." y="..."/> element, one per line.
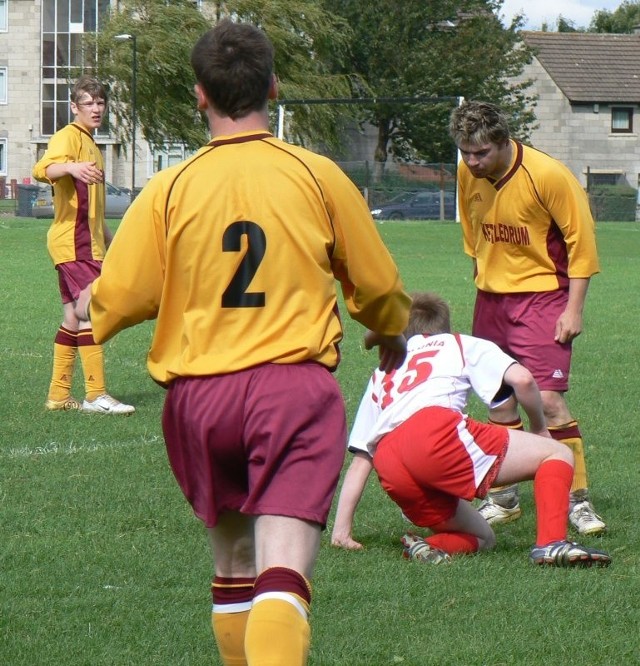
<point x="236" y="252"/>
<point x="527" y="225"/>
<point x="77" y="241"/>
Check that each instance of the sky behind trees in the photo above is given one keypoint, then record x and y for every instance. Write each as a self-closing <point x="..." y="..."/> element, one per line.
<point x="547" y="11"/>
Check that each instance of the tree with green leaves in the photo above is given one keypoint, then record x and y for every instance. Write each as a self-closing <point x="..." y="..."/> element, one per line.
<point x="309" y="44"/>
<point x="624" y="20"/>
<point x="434" y="49"/>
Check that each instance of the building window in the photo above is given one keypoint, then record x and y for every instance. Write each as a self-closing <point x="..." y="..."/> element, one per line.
<point x="170" y="154"/>
<point x="64" y="23"/>
<point x="3" y="15"/>
<point x="3" y="157"/>
<point x="621" y="120"/>
<point x="3" y="85"/>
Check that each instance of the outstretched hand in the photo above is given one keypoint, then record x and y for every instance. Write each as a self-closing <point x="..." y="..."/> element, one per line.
<point x="392" y="349"/>
<point x="346" y="542"/>
<point x="87" y="172"/>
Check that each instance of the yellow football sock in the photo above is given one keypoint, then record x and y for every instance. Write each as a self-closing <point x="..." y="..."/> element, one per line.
<point x="278" y="631"/>
<point x="232" y="598"/>
<point x="92" y="358"/>
<point x="64" y="358"/>
<point x="229" y="630"/>
<point x="569" y="434"/>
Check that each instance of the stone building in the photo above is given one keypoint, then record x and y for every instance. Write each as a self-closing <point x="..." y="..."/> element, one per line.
<point x="588" y="89"/>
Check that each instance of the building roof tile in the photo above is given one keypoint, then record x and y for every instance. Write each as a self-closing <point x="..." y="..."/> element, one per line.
<point x="590" y="67"/>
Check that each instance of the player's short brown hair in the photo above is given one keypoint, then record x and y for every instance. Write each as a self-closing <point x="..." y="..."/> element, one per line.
<point x="478" y="123"/>
<point x="88" y="84"/>
<point x="233" y="62"/>
<point x="429" y="315"/>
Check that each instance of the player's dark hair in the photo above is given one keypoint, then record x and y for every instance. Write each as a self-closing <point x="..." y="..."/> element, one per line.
<point x="478" y="123"/>
<point x="87" y="84"/>
<point x="429" y="315"/>
<point x="233" y="62"/>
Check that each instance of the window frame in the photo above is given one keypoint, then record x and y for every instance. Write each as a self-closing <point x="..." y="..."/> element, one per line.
<point x="620" y="111"/>
<point x="4" y="148"/>
<point x="59" y="38"/>
<point x="4" y="85"/>
<point x="4" y="15"/>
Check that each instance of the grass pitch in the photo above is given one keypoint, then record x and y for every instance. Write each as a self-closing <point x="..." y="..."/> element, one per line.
<point x="102" y="562"/>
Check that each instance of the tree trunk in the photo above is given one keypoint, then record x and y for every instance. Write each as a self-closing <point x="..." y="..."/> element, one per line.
<point x="380" y="155"/>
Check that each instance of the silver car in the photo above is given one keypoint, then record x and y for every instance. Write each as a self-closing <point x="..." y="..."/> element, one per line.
<point x="117" y="201"/>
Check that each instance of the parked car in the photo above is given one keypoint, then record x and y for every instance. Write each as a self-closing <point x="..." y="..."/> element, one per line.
<point x="117" y="201"/>
<point x="423" y="205"/>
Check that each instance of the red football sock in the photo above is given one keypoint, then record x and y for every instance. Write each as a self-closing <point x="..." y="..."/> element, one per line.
<point x="454" y="542"/>
<point x="551" y="486"/>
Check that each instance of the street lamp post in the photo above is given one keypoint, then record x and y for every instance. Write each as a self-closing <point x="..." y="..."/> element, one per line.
<point x="134" y="73"/>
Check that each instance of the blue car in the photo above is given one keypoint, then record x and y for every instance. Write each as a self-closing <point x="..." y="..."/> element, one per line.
<point x="424" y="205"/>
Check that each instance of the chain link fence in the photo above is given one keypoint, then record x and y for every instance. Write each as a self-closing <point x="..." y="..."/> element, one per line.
<point x="383" y="185"/>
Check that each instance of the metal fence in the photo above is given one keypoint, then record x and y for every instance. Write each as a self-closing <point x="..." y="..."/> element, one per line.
<point x="381" y="185"/>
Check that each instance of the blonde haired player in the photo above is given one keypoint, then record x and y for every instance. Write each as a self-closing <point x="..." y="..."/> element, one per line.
<point x="527" y="226"/>
<point x="77" y="241"/>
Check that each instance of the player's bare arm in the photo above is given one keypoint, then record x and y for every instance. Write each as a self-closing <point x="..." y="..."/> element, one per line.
<point x="352" y="488"/>
<point x="392" y="348"/>
<point x="569" y="324"/>
<point x="87" y="172"/>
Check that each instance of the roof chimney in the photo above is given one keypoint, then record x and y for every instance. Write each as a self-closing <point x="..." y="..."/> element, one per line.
<point x="636" y="29"/>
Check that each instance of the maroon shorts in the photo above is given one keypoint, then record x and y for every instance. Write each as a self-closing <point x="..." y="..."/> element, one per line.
<point x="523" y="326"/>
<point x="74" y="276"/>
<point x="269" y="440"/>
<point x="437" y="457"/>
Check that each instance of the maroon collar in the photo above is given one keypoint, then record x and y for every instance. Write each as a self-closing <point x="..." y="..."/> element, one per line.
<point x="240" y="139"/>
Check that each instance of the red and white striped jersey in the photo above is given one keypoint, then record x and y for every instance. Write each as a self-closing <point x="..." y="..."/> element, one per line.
<point x="439" y="371"/>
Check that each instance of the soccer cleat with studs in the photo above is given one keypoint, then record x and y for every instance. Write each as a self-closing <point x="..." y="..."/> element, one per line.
<point x="67" y="405"/>
<point x="585" y="520"/>
<point x="568" y="554"/>
<point x="495" y="514"/>
<point x="105" y="404"/>
<point x="417" y="549"/>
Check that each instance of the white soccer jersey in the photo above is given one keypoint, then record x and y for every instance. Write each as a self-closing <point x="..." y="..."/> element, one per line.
<point x="439" y="371"/>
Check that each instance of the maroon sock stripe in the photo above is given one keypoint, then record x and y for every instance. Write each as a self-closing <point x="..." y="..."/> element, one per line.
<point x="85" y="337"/>
<point x="565" y="431"/>
<point x="231" y="590"/>
<point x="282" y="579"/>
<point x="66" y="337"/>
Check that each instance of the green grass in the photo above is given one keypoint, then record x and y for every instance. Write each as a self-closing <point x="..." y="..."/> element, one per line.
<point x="102" y="562"/>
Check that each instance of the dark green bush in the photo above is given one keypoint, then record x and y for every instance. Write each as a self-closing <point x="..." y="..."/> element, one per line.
<point x="613" y="203"/>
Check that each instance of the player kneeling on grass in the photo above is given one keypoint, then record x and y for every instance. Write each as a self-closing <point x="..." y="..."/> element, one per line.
<point x="433" y="460"/>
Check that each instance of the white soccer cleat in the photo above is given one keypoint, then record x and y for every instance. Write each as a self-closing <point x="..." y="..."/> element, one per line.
<point x="105" y="404"/>
<point x="495" y="514"/>
<point x="585" y="520"/>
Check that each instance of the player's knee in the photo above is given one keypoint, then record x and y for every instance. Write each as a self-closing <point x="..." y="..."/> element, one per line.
<point x="555" y="407"/>
<point x="487" y="541"/>
<point x="564" y="453"/>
